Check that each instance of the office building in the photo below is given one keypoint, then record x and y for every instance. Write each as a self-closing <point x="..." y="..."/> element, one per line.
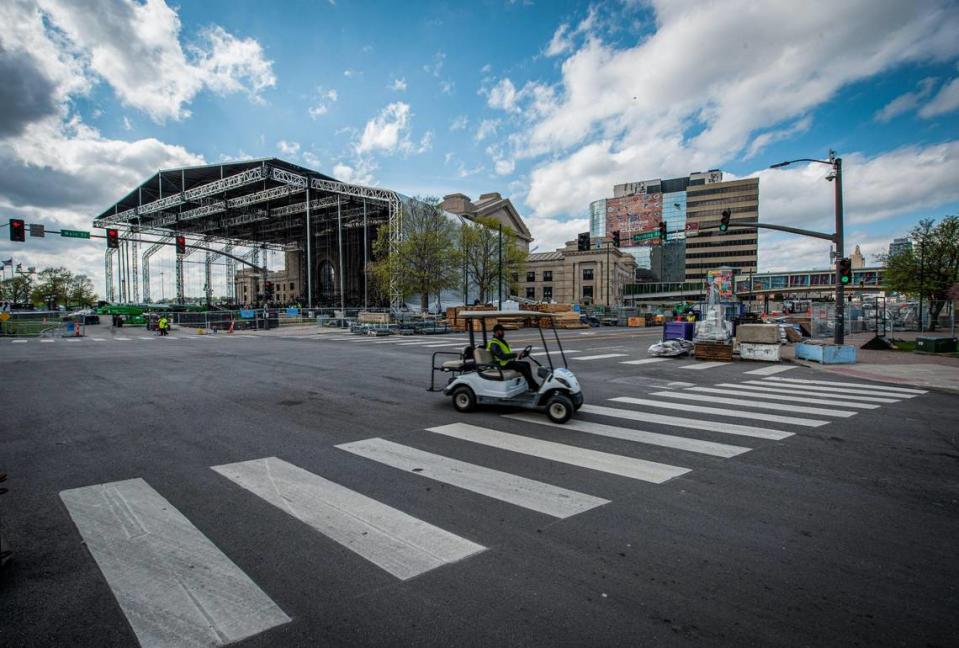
<point x="899" y="245"/>
<point x="571" y="276"/>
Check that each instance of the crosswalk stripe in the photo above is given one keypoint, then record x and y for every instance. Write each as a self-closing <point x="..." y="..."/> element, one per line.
<point x="856" y="391"/>
<point x="556" y="353"/>
<point x="756" y="404"/>
<point x="758" y="385"/>
<point x="694" y="424"/>
<point x="718" y="411"/>
<point x="641" y="469"/>
<point x="780" y="397"/>
<point x="175" y="587"/>
<point x="643" y="361"/>
<point x="445" y="344"/>
<point x="122" y="339"/>
<point x="769" y="371"/>
<point x="637" y="436"/>
<point x="899" y="390"/>
<point x="703" y="365"/>
<point x="96" y="339"/>
<point x="601" y="356"/>
<point x="46" y="340"/>
<point x="20" y="341"/>
<point x="72" y="339"/>
<point x="527" y="493"/>
<point x="144" y="338"/>
<point x="399" y="543"/>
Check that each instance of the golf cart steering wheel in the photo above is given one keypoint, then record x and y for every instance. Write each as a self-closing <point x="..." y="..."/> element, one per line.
<point x="526" y="351"/>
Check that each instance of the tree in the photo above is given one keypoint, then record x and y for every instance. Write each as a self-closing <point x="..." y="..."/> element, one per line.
<point x="59" y="286"/>
<point x="481" y="246"/>
<point x="81" y="292"/>
<point x="16" y="290"/>
<point x="427" y="257"/>
<point x="931" y="268"/>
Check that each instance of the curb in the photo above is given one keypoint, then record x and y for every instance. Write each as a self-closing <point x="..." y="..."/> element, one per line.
<point x="943" y="389"/>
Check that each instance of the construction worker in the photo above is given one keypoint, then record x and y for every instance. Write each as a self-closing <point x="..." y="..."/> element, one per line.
<point x="162" y="325"/>
<point x="505" y="357"/>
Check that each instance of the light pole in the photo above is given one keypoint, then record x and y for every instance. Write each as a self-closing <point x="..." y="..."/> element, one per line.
<point x="837" y="237"/>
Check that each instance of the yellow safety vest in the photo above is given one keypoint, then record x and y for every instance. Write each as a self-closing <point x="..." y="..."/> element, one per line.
<point x="503" y="346"/>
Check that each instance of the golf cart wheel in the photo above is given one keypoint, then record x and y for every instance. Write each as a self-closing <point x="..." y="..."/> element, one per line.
<point x="559" y="408"/>
<point x="464" y="400"/>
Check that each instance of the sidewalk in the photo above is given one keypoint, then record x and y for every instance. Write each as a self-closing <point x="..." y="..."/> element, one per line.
<point x="899" y="367"/>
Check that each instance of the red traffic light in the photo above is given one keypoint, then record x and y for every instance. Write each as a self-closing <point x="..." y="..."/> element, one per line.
<point x="181" y="245"/>
<point x="113" y="238"/>
<point x="17" y="230"/>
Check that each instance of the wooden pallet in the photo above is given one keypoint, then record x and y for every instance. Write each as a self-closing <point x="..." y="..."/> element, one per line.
<point x="714" y="351"/>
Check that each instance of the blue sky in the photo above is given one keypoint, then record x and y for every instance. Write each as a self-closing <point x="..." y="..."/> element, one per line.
<point x="550" y="103"/>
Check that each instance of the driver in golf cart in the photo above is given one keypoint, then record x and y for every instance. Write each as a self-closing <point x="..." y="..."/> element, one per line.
<point x="506" y="359"/>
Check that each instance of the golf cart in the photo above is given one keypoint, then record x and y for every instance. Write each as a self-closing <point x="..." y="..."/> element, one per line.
<point x="476" y="378"/>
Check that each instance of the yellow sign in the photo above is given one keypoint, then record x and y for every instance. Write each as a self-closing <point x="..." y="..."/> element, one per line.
<point x="4" y="316"/>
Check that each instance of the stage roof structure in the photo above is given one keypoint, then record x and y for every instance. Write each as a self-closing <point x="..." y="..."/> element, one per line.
<point x="264" y="203"/>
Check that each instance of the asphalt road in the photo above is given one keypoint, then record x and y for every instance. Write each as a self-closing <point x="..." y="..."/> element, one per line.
<point x="842" y="533"/>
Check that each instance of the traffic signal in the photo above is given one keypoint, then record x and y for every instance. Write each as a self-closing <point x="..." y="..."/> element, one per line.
<point x="845" y="271"/>
<point x="181" y="245"/>
<point x="724" y="221"/>
<point x="269" y="288"/>
<point x="17" y="230"/>
<point x="662" y="230"/>
<point x="113" y="238"/>
<point x="583" y="242"/>
<point x="616" y="238"/>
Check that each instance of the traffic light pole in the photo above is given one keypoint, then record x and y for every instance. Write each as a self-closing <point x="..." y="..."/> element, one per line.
<point x="839" y="334"/>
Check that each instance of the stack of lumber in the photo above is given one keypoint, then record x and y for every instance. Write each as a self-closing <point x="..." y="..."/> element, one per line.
<point x="716" y="351"/>
<point x="567" y="320"/>
<point x="458" y="324"/>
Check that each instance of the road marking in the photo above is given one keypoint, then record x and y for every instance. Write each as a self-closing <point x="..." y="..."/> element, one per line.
<point x="704" y="365"/>
<point x="98" y="339"/>
<point x="827" y="393"/>
<point x="20" y="341"/>
<point x="72" y="339"/>
<point x="601" y="356"/>
<point x="637" y="436"/>
<point x="860" y="391"/>
<point x="144" y="338"/>
<point x="641" y="469"/>
<point x="447" y="344"/>
<point x="779" y="407"/>
<point x="122" y="339"/>
<point x="46" y="340"/>
<point x="898" y="390"/>
<point x="768" y="371"/>
<point x="557" y="353"/>
<point x="718" y="411"/>
<point x="174" y="585"/>
<point x="394" y="541"/>
<point x="780" y="397"/>
<point x="643" y="361"/>
<point x="527" y="493"/>
<point x="694" y="424"/>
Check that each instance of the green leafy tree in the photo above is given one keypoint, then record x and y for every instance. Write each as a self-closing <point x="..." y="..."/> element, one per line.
<point x="16" y="290"/>
<point x="931" y="268"/>
<point x="81" y="293"/>
<point x="59" y="286"/>
<point x="427" y="258"/>
<point x="481" y="250"/>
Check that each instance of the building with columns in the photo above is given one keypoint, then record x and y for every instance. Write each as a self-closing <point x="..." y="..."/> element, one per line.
<point x="569" y="276"/>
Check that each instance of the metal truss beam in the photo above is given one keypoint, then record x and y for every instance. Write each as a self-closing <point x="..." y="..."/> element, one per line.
<point x="276" y="247"/>
<point x="108" y="273"/>
<point x="150" y="251"/>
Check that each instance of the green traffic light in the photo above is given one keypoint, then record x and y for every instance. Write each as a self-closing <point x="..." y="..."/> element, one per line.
<point x="723" y="228"/>
<point x="844" y="280"/>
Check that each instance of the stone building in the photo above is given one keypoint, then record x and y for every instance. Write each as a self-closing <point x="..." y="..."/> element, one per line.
<point x="568" y="276"/>
<point x="490" y="205"/>
<point x="287" y="283"/>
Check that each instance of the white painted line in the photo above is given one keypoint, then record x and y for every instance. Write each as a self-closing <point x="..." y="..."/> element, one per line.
<point x="769" y="371"/>
<point x="447" y="344"/>
<point x="785" y="389"/>
<point x="122" y="339"/>
<point x="46" y="340"/>
<point x="699" y="364"/>
<point x="175" y="587"/>
<point x="556" y="354"/>
<point x="718" y="411"/>
<point x="602" y="356"/>
<point x="98" y="339"/>
<point x="20" y="341"/>
<point x="779" y="407"/>
<point x="144" y="338"/>
<point x="694" y="424"/>
<point x="643" y="361"/>
<point x="398" y="543"/>
<point x="845" y="393"/>
<point x="779" y="397"/>
<point x="72" y="339"/>
<point x="901" y="390"/>
<point x="527" y="493"/>
<point x="638" y="436"/>
<point x="641" y="469"/>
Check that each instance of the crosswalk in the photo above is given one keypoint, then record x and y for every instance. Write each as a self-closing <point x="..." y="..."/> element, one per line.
<point x="177" y="587"/>
<point x="135" y="339"/>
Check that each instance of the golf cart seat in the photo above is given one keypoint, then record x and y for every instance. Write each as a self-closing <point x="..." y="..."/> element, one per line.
<point x="465" y="363"/>
<point x="485" y="359"/>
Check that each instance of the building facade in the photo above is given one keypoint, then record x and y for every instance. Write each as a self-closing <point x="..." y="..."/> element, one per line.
<point x="899" y="245"/>
<point x="287" y="283"/>
<point x="856" y="259"/>
<point x="687" y="206"/>
<point x="569" y="276"/>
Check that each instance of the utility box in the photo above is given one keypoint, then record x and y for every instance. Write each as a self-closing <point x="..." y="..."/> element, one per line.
<point x="936" y="344"/>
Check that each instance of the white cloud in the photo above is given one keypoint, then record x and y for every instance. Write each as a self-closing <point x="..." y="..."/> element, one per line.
<point x="127" y="126"/>
<point x="907" y="101"/>
<point x="946" y="101"/>
<point x="136" y="49"/>
<point x="561" y="41"/>
<point x="446" y="87"/>
<point x="436" y="67"/>
<point x="390" y="133"/>
<point x="504" y="167"/>
<point x="322" y="106"/>
<point x="291" y="149"/>
<point x="360" y="171"/>
<point x="317" y="110"/>
<point x="765" y="139"/>
<point x="460" y="123"/>
<point x="487" y="128"/>
<point x="350" y="73"/>
<point x="399" y="85"/>
<point x="486" y="69"/>
<point x="694" y="94"/>
<point x="503" y="96"/>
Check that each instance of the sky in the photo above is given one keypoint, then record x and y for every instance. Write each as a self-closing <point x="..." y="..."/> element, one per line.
<point x="550" y="103"/>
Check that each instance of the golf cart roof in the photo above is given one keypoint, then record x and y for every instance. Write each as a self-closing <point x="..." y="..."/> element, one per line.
<point x="502" y="314"/>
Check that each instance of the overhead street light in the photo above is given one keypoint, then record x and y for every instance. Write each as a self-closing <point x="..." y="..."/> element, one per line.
<point x="836" y="174"/>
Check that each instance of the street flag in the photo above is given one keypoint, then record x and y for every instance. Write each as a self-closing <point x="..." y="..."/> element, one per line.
<point x="8" y="262"/>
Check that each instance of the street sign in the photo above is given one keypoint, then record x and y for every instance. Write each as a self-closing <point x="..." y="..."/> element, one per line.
<point x="37" y="230"/>
<point x="646" y="236"/>
<point x="4" y="316"/>
<point x="74" y="234"/>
